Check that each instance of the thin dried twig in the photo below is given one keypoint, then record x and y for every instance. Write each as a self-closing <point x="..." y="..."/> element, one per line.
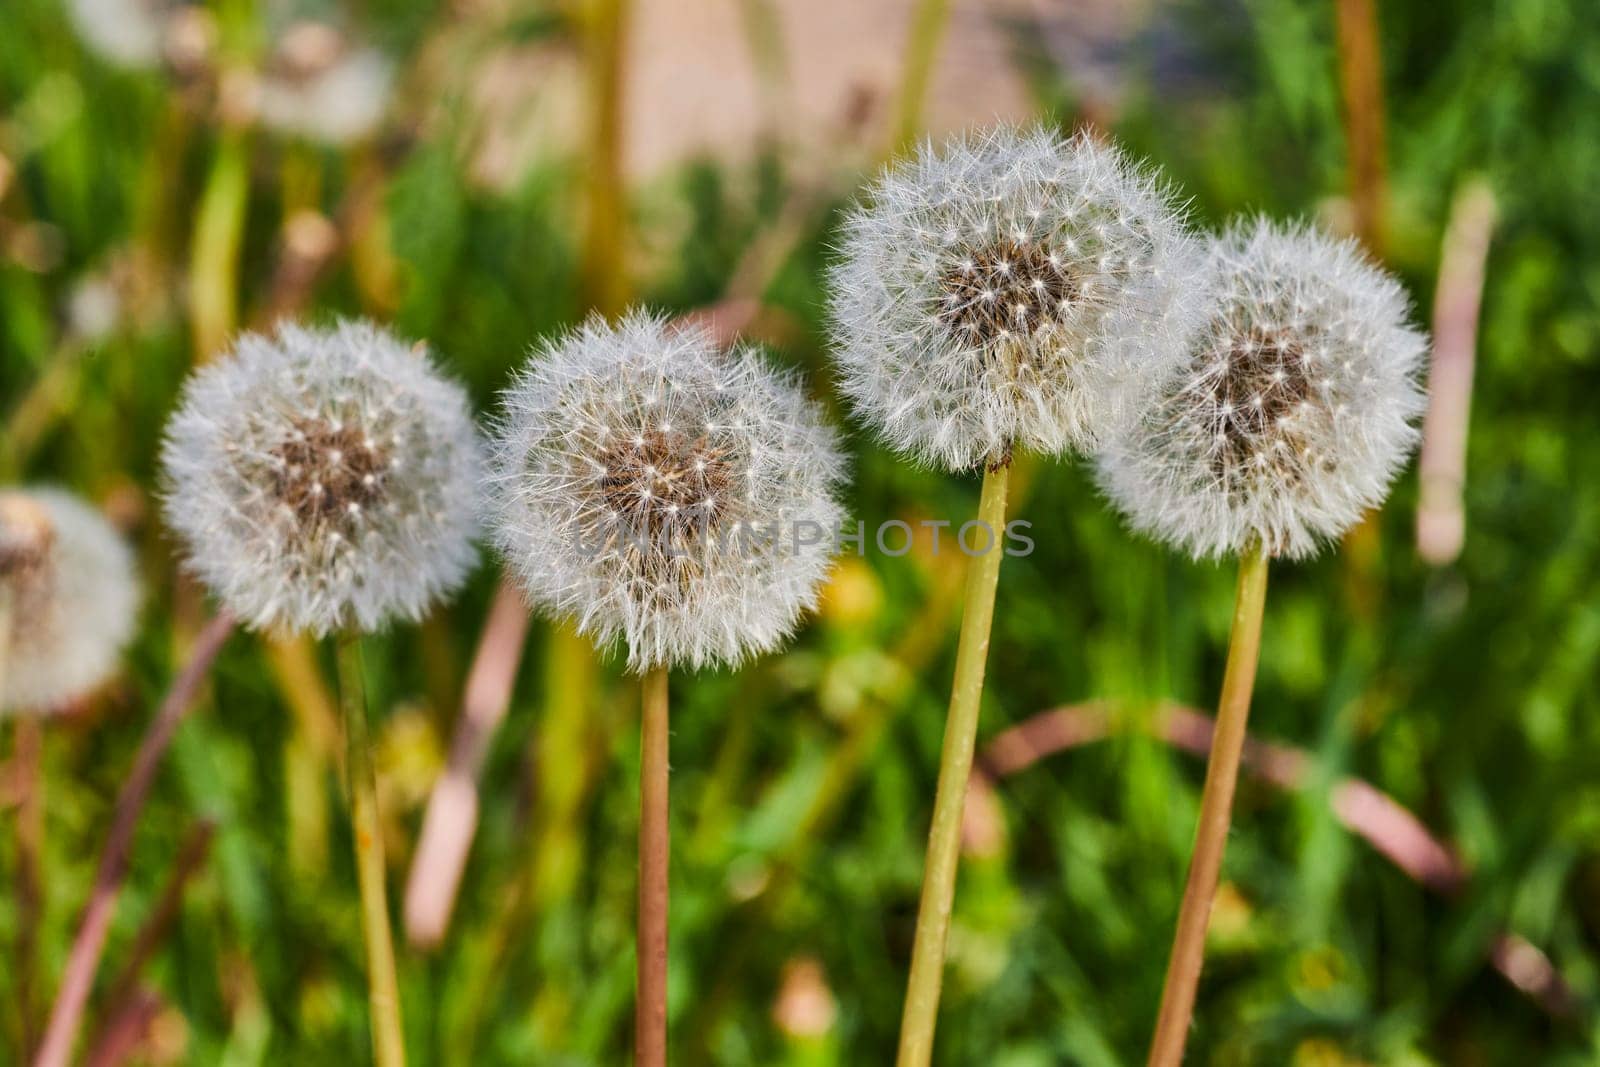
<point x="452" y="816"/>
<point x="28" y="759"/>
<point x="1441" y="516"/>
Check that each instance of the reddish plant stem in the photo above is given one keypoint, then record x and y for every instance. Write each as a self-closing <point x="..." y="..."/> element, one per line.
<point x="30" y="847"/>
<point x="452" y="816"/>
<point x="1361" y="87"/>
<point x="125" y="993"/>
<point x="126" y="1030"/>
<point x="1441" y="516"/>
<point x="87" y="946"/>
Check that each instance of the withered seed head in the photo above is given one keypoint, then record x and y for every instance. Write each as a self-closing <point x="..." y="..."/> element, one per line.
<point x="127" y="33"/>
<point x="306" y="49"/>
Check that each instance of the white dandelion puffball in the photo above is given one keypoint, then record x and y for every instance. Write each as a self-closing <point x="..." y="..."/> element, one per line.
<point x="128" y="33"/>
<point x="1013" y="289"/>
<point x="1296" y="407"/>
<point x="322" y="86"/>
<point x="324" y="480"/>
<point x="72" y="598"/>
<point x="662" y="491"/>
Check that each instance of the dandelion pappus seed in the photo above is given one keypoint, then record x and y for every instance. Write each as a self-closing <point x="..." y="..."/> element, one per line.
<point x="643" y="551"/>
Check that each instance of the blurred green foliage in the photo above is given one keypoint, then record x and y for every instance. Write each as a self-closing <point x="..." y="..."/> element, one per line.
<point x="1469" y="693"/>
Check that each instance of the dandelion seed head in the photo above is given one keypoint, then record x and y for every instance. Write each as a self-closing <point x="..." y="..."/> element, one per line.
<point x="127" y="33"/>
<point x="1012" y="289"/>
<point x="72" y="596"/>
<point x="323" y="86"/>
<point x="649" y="485"/>
<point x="324" y="479"/>
<point x="1296" y="407"/>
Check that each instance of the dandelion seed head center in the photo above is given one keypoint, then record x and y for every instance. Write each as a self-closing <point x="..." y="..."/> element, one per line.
<point x="327" y="474"/>
<point x="999" y="292"/>
<point x="666" y="484"/>
<point x="1260" y="386"/>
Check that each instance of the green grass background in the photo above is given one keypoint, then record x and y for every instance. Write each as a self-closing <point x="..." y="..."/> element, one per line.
<point x="1468" y="692"/>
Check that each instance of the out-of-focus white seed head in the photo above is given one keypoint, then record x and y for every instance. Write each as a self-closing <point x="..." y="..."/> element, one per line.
<point x="1012" y="289"/>
<point x="71" y="596"/>
<point x="324" y="87"/>
<point x="1296" y="407"/>
<point x="128" y="33"/>
<point x="94" y="309"/>
<point x="660" y="490"/>
<point x="324" y="479"/>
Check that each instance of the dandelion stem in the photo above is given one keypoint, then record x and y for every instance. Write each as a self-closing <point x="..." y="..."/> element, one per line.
<point x="1359" y="807"/>
<point x="84" y="958"/>
<point x="383" y="987"/>
<point x="650" y="1012"/>
<point x="955" y="768"/>
<point x="1216" y="804"/>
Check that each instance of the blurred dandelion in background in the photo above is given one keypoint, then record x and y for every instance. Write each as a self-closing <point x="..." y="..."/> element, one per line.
<point x="324" y="480"/>
<point x="68" y="599"/>
<point x="128" y="33"/>
<point x="321" y="84"/>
